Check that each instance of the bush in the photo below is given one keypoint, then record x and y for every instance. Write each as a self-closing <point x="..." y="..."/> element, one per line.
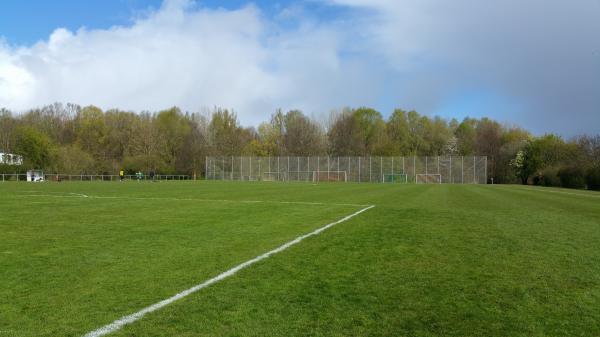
<point x="592" y="179"/>
<point x="572" y="177"/>
<point x="548" y="177"/>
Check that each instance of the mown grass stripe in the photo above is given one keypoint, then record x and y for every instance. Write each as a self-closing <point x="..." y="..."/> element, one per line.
<point x="118" y="324"/>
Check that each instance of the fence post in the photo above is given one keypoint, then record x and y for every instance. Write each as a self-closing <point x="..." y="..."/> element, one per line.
<point x="359" y="169"/>
<point x="318" y="168"/>
<point x="370" y="171"/>
<point x="486" y="172"/>
<point x="450" y="180"/>
<point x="474" y="172"/>
<point x="462" y="169"/>
<point x="415" y="167"/>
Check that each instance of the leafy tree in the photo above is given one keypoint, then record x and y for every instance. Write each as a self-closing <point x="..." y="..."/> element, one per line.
<point x="90" y="133"/>
<point x="345" y="135"/>
<point x="35" y="147"/>
<point x="466" y="137"/>
<point x="225" y="133"/>
<point x="173" y="129"/>
<point x="397" y="129"/>
<point x="417" y="127"/>
<point x="8" y="124"/>
<point x="302" y="136"/>
<point x="70" y="159"/>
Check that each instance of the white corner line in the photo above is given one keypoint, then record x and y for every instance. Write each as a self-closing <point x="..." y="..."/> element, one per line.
<point x="118" y="324"/>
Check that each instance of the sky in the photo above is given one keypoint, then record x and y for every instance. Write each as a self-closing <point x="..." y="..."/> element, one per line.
<point x="532" y="63"/>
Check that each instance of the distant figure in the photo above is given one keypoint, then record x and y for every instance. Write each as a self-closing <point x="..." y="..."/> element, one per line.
<point x="121" y="175"/>
<point x="152" y="175"/>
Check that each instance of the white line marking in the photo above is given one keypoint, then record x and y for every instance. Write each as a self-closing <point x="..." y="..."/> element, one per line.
<point x="59" y="194"/>
<point x="118" y="324"/>
<point x="541" y="189"/>
<point x="77" y="195"/>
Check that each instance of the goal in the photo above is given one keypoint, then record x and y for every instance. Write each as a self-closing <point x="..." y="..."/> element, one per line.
<point x="428" y="178"/>
<point x="273" y="176"/>
<point x="395" y="178"/>
<point x="330" y="176"/>
<point x="314" y="176"/>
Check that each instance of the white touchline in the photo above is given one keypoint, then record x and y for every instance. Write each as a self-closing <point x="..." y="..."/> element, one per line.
<point x="118" y="324"/>
<point x="77" y="195"/>
<point x="541" y="189"/>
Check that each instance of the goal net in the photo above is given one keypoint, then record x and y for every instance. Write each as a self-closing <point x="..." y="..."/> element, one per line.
<point x="330" y="176"/>
<point x="395" y="178"/>
<point x="273" y="176"/>
<point x="428" y="178"/>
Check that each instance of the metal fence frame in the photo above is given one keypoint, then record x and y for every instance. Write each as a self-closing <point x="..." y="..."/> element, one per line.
<point x="452" y="169"/>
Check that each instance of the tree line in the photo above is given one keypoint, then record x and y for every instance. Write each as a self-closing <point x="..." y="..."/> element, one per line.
<point x="72" y="139"/>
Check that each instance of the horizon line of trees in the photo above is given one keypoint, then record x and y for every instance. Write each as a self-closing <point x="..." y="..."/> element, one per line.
<point x="72" y="139"/>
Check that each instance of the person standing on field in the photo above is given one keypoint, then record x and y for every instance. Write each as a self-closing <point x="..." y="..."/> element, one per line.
<point x="121" y="175"/>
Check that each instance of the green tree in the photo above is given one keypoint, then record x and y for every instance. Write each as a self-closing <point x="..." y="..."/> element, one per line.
<point x="225" y="133"/>
<point x="35" y="147"/>
<point x="173" y="128"/>
<point x="371" y="129"/>
<point x="344" y="135"/>
<point x="466" y="137"/>
<point x="90" y="133"/>
<point x="398" y="133"/>
<point x="302" y="137"/>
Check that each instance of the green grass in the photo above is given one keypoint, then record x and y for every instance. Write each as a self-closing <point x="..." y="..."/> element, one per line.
<point x="428" y="260"/>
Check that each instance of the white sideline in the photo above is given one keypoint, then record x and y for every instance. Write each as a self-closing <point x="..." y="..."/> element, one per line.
<point x="77" y="195"/>
<point x="118" y="324"/>
<point x="541" y="189"/>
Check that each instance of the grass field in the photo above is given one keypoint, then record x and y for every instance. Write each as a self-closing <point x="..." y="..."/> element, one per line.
<point x="427" y="260"/>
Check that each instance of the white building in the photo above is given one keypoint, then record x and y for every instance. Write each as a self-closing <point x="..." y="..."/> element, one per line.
<point x="11" y="159"/>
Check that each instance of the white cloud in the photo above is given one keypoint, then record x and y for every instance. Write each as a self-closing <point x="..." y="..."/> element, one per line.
<point x="542" y="56"/>
<point x="190" y="57"/>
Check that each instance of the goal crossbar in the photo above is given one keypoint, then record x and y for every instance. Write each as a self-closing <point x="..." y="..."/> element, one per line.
<point x="314" y="176"/>
<point x="330" y="176"/>
<point x="395" y="178"/>
<point x="428" y="178"/>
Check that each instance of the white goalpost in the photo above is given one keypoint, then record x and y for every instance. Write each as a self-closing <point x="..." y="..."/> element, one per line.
<point x="330" y="176"/>
<point x="313" y="176"/>
<point x="428" y="178"/>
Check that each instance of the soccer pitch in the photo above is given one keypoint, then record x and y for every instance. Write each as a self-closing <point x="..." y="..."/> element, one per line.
<point x="426" y="260"/>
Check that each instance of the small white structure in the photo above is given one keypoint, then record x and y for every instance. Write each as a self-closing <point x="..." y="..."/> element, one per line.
<point x="11" y="159"/>
<point x="35" y="175"/>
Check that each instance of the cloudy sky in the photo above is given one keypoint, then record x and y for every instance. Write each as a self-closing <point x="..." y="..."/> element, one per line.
<point x="534" y="63"/>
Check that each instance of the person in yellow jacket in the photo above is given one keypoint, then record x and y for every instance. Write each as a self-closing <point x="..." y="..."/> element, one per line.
<point x="121" y="175"/>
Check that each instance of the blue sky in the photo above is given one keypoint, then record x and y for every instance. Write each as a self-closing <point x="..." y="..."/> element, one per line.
<point x="534" y="64"/>
<point x="26" y="22"/>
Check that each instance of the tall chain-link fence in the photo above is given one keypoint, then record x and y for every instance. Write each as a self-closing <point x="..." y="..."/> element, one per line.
<point x="438" y="169"/>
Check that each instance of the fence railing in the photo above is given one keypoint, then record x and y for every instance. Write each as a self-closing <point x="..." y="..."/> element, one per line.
<point x="436" y="169"/>
<point x="94" y="177"/>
